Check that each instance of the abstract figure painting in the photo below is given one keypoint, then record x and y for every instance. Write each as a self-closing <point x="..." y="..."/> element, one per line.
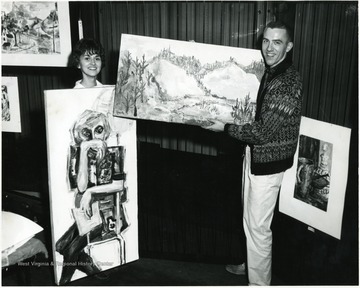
<point x="313" y="190"/>
<point x="35" y="33"/>
<point x="92" y="181"/>
<point x="186" y="82"/>
<point x="313" y="172"/>
<point x="10" y="106"/>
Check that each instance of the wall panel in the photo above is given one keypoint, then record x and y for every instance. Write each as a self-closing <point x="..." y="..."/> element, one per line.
<point x="325" y="52"/>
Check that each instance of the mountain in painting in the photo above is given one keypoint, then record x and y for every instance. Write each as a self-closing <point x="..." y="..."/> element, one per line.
<point x="175" y="88"/>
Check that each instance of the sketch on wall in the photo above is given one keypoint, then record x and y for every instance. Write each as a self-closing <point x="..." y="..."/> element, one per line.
<point x="92" y="181"/>
<point x="186" y="82"/>
<point x="35" y="33"/>
<point x="10" y="105"/>
<point x="313" y="190"/>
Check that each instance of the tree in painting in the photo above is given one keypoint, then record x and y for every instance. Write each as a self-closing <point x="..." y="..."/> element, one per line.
<point x="30" y="27"/>
<point x="163" y="84"/>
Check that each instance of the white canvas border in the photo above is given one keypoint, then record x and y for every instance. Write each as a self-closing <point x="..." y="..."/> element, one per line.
<point x="14" y="125"/>
<point x="61" y="109"/>
<point x="183" y="91"/>
<point x="43" y="60"/>
<point x="329" y="221"/>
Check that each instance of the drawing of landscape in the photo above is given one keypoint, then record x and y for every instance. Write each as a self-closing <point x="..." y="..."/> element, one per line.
<point x="29" y="27"/>
<point x="186" y="82"/>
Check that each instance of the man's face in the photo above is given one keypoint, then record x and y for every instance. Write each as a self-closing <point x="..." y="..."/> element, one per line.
<point x="275" y="46"/>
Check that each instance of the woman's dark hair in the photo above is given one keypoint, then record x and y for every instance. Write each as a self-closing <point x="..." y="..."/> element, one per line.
<point x="87" y="45"/>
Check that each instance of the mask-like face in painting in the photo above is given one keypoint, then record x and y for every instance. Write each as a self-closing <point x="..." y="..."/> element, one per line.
<point x="91" y="125"/>
<point x="94" y="130"/>
<point x="275" y="46"/>
<point x="90" y="64"/>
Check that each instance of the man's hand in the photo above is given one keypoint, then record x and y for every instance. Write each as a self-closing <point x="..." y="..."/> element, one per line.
<point x="217" y="126"/>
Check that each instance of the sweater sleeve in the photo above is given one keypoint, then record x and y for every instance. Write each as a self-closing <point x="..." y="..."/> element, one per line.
<point x="279" y="105"/>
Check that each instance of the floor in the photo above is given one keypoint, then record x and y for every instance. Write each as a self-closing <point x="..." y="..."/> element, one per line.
<point x="143" y="272"/>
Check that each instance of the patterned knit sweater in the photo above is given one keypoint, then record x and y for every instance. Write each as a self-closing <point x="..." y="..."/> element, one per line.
<point x="273" y="136"/>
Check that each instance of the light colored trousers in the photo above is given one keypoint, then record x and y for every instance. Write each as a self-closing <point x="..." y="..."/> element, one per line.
<point x="260" y="193"/>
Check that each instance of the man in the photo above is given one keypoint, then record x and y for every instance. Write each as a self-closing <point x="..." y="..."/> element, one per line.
<point x="271" y="143"/>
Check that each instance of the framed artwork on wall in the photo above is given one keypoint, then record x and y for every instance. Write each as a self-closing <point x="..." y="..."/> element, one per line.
<point x="35" y="33"/>
<point x="186" y="82"/>
<point x="92" y="162"/>
<point x="10" y="105"/>
<point x="313" y="190"/>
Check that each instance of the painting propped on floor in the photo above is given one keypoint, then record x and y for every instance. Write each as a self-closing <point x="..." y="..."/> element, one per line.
<point x="313" y="189"/>
<point x="92" y="181"/>
<point x="186" y="82"/>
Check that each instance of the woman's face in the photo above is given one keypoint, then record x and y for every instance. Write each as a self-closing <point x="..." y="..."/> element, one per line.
<point x="90" y="64"/>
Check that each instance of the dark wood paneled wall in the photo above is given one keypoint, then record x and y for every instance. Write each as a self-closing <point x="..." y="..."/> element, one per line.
<point x="326" y="53"/>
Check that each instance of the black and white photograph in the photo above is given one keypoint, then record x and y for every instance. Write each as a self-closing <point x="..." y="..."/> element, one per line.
<point x="180" y="143"/>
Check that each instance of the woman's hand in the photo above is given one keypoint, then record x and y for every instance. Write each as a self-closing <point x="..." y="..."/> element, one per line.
<point x="99" y="147"/>
<point x="96" y="144"/>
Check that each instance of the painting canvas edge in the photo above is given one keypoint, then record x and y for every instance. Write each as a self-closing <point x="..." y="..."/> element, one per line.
<point x="133" y="255"/>
<point x="329" y="221"/>
<point x="45" y="60"/>
<point x="14" y="125"/>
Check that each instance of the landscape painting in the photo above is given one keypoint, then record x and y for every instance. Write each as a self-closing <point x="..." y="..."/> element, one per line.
<point x="186" y="82"/>
<point x="10" y="105"/>
<point x="313" y="189"/>
<point x="35" y="33"/>
<point x="92" y="167"/>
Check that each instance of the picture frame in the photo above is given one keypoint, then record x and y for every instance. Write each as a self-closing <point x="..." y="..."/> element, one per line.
<point x="186" y="82"/>
<point x="40" y="38"/>
<point x="109" y="233"/>
<point x="10" y="105"/>
<point x="313" y="189"/>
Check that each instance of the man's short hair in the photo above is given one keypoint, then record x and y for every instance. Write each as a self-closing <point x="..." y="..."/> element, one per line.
<point x="87" y="45"/>
<point x="280" y="25"/>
